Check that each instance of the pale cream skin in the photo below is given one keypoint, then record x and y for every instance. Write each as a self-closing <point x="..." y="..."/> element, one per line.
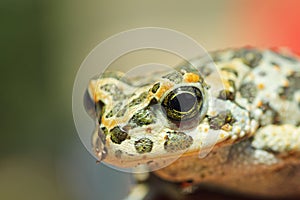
<point x="252" y="118"/>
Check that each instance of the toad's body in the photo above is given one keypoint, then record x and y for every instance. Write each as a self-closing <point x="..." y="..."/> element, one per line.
<point x="231" y="123"/>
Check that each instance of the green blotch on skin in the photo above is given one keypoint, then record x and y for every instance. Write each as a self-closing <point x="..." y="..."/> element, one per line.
<point x="249" y="91"/>
<point x="112" y="89"/>
<point x="155" y="87"/>
<point x="122" y="112"/>
<point x="142" y="117"/>
<point x="294" y="85"/>
<point x="221" y="119"/>
<point x="114" y="110"/>
<point x="104" y="129"/>
<point x="143" y="145"/>
<point x="109" y="88"/>
<point x="250" y="57"/>
<point x="176" y="141"/>
<point x="273" y="115"/>
<point x="138" y="100"/>
<point x="117" y="135"/>
<point x="226" y="95"/>
<point x="230" y="70"/>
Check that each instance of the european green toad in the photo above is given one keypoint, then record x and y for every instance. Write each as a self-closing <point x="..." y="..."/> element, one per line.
<point x="232" y="123"/>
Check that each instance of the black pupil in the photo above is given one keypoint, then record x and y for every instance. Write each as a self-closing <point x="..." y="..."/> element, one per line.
<point x="183" y="102"/>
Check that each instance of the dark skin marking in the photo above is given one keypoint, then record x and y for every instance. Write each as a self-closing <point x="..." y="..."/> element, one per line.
<point x="216" y="56"/>
<point x="114" y="110"/>
<point x="142" y="117"/>
<point x="143" y="145"/>
<point x="117" y="135"/>
<point x="294" y="85"/>
<point x="230" y="70"/>
<point x="104" y="130"/>
<point x="249" y="56"/>
<point x="227" y="94"/>
<point x="155" y="87"/>
<point x="224" y="117"/>
<point x="176" y="141"/>
<point x="153" y="101"/>
<point x="114" y="91"/>
<point x="139" y="99"/>
<point x="122" y="112"/>
<point x="109" y="88"/>
<point x="275" y="117"/>
<point x="205" y="70"/>
<point x="249" y="91"/>
<point x="262" y="73"/>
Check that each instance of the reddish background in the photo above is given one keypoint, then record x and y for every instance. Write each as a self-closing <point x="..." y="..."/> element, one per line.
<point x="274" y="22"/>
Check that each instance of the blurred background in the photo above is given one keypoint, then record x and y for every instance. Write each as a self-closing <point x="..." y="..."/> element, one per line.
<point x="43" y="44"/>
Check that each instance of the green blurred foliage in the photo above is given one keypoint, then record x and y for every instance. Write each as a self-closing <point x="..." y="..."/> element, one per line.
<point x="35" y="126"/>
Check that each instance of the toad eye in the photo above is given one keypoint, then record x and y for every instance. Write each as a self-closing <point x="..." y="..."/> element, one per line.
<point x="183" y="103"/>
